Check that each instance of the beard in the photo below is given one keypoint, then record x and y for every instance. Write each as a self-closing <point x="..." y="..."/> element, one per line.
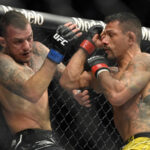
<point x="111" y="60"/>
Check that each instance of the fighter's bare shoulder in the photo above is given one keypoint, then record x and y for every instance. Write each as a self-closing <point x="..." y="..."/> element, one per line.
<point x="142" y="59"/>
<point x="40" y="49"/>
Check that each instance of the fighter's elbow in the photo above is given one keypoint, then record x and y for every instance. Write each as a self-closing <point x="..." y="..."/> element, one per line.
<point x="68" y="82"/>
<point x="62" y="82"/>
<point x="67" y="85"/>
<point x="119" y="96"/>
<point x="116" y="100"/>
<point x="31" y="96"/>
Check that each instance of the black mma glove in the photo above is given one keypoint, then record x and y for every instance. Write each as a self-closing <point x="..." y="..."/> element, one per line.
<point x="87" y="44"/>
<point x="98" y="64"/>
<point x="61" y="41"/>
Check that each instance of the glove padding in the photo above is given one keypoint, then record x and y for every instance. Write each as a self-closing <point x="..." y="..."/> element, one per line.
<point x="63" y="38"/>
<point x="61" y="42"/>
<point x="88" y="44"/>
<point x="98" y="64"/>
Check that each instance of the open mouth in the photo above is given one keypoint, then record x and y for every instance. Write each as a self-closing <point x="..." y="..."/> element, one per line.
<point x="27" y="54"/>
<point x="107" y="50"/>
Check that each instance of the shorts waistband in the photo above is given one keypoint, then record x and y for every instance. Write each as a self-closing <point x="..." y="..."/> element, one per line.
<point x="142" y="134"/>
<point x="34" y="137"/>
<point x="33" y="131"/>
<point x="34" y="134"/>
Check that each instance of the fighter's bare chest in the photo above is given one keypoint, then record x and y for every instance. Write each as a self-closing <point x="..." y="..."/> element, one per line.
<point x="34" y="65"/>
<point x="118" y="75"/>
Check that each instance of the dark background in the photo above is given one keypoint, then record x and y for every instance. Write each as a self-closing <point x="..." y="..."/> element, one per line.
<point x="91" y="9"/>
<point x="79" y="128"/>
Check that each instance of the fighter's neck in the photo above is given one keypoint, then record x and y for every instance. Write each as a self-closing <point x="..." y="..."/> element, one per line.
<point x="124" y="61"/>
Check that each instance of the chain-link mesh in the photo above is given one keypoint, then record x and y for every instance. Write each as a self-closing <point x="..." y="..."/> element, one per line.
<point x="76" y="127"/>
<point x="80" y="128"/>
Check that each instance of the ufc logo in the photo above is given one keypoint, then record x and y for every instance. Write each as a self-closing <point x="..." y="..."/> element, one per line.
<point x="58" y="38"/>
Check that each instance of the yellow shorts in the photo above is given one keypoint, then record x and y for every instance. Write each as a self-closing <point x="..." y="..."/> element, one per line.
<point x="140" y="143"/>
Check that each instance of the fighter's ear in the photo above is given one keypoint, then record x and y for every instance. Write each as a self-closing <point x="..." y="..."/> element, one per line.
<point x="131" y="37"/>
<point x="2" y="41"/>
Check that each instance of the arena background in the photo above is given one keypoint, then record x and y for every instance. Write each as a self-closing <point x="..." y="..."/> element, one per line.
<point x="77" y="127"/>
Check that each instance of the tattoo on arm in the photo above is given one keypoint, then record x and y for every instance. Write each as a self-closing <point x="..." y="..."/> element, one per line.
<point x="136" y="78"/>
<point x="59" y="70"/>
<point x="40" y="50"/>
<point x="11" y="76"/>
<point x="144" y="108"/>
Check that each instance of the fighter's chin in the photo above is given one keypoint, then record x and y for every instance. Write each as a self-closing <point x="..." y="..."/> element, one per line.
<point x="23" y="61"/>
<point x="108" y="56"/>
<point x="26" y="58"/>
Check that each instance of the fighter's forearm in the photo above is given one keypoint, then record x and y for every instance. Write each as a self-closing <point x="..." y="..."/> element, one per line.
<point x="113" y="89"/>
<point x="34" y="88"/>
<point x="72" y="73"/>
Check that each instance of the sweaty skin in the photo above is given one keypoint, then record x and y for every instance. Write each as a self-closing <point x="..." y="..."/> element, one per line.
<point x="19" y="112"/>
<point x="127" y="89"/>
<point x="24" y="100"/>
<point x="133" y="116"/>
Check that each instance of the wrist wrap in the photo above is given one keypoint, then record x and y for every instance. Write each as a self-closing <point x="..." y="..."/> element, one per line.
<point x="55" y="56"/>
<point x="88" y="46"/>
<point x="97" y="69"/>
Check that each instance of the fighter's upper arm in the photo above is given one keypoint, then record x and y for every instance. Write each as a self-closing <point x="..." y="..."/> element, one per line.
<point x="136" y="77"/>
<point x="12" y="76"/>
<point x="40" y="49"/>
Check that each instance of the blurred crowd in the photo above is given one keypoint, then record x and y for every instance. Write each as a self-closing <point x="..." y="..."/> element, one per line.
<point x="91" y="9"/>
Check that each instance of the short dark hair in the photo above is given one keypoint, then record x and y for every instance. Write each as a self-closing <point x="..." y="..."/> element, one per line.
<point x="128" y="22"/>
<point x="13" y="18"/>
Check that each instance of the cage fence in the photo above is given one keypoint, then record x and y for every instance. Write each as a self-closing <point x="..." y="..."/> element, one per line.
<point x="75" y="127"/>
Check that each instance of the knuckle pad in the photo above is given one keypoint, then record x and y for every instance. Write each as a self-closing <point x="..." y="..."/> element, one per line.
<point x="69" y="35"/>
<point x="65" y="30"/>
<point x="95" y="29"/>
